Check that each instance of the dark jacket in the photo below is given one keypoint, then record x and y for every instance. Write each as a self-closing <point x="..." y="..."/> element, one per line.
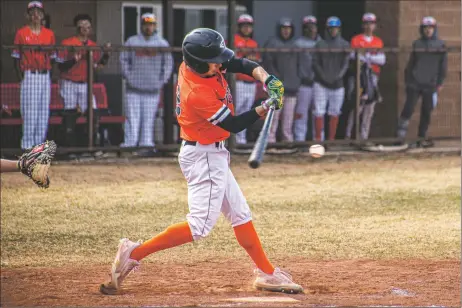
<point x="426" y="70"/>
<point x="330" y="67"/>
<point x="284" y="65"/>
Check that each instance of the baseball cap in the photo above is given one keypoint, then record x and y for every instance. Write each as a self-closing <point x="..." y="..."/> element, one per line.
<point x="245" y="18"/>
<point x="148" y="18"/>
<point x="310" y="19"/>
<point x="35" y="4"/>
<point x="369" y="17"/>
<point x="285" y="22"/>
<point x="428" y="21"/>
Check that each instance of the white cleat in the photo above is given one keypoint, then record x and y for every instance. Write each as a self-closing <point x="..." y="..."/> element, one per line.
<point x="121" y="267"/>
<point x="279" y="281"/>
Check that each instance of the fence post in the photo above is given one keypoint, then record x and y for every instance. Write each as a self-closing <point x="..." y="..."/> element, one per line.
<point x="231" y="78"/>
<point x="358" y="97"/>
<point x="168" y="87"/>
<point x="90" y="98"/>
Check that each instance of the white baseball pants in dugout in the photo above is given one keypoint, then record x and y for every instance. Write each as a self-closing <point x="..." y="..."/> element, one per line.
<point x="212" y="188"/>
<point x="35" y="98"/>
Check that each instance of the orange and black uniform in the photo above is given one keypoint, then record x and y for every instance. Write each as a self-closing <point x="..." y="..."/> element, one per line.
<point x="204" y="106"/>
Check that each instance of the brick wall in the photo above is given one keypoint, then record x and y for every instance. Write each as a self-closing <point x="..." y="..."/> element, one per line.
<point x="385" y="119"/>
<point x="446" y="118"/>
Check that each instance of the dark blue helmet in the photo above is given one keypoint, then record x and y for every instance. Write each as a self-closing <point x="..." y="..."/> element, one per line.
<point x="202" y="46"/>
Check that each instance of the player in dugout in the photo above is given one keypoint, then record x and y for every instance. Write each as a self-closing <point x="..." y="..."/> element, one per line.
<point x="73" y="78"/>
<point x="205" y="112"/>
<point x="33" y="68"/>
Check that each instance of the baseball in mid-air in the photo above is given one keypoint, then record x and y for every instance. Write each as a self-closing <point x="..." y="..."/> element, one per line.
<point x="317" y="150"/>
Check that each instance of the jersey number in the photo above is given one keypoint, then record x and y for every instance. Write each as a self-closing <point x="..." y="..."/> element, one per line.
<point x="178" y="108"/>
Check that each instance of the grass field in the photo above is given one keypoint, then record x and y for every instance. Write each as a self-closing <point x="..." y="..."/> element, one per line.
<point x="388" y="211"/>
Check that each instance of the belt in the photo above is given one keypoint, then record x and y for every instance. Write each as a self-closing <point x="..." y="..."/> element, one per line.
<point x="218" y="144"/>
<point x="246" y="81"/>
<point x="39" y="71"/>
<point x="80" y="82"/>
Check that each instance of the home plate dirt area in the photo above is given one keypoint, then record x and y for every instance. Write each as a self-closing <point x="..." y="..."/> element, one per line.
<point x="228" y="283"/>
<point x="371" y="232"/>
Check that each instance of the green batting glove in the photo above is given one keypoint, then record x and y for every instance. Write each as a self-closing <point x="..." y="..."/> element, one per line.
<point x="274" y="88"/>
<point x="272" y="103"/>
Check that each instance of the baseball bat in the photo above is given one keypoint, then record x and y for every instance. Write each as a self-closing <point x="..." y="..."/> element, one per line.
<point x="256" y="157"/>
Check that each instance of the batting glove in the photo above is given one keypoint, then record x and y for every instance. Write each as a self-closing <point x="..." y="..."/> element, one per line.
<point x="272" y="103"/>
<point x="274" y="88"/>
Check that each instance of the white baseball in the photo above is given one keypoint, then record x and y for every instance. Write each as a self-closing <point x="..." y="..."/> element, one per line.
<point x="317" y="150"/>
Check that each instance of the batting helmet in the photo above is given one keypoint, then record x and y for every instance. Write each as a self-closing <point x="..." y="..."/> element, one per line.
<point x="202" y="46"/>
<point x="333" y="22"/>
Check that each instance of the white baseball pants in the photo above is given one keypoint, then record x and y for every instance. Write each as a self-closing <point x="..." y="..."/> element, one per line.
<point x="140" y="113"/>
<point x="327" y="100"/>
<point x="35" y="97"/>
<point x="286" y="115"/>
<point x="245" y="97"/>
<point x="304" y="103"/>
<point x="212" y="188"/>
<point x="75" y="94"/>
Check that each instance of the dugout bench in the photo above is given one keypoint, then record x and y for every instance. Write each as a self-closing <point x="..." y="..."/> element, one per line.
<point x="11" y="121"/>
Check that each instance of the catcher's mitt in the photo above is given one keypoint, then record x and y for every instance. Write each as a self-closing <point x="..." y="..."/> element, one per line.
<point x="35" y="162"/>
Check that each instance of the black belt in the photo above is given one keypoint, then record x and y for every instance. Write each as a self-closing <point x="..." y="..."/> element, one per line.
<point x="193" y="143"/>
<point x="39" y="72"/>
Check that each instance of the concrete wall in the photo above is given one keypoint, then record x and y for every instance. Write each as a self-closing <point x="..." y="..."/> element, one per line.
<point x="267" y="14"/>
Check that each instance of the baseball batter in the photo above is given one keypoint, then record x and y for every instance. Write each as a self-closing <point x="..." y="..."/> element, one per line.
<point x="205" y="112"/>
<point x="33" y="69"/>
<point x="245" y="85"/>
<point x="73" y="79"/>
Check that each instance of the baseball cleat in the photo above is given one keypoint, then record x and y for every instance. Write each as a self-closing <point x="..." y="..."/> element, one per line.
<point x="279" y="281"/>
<point x="121" y="267"/>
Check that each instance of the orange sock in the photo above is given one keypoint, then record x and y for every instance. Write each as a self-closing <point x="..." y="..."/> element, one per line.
<point x="247" y="237"/>
<point x="173" y="236"/>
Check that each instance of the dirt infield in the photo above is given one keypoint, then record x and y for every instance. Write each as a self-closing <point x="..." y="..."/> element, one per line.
<point x="383" y="232"/>
<point x="212" y="282"/>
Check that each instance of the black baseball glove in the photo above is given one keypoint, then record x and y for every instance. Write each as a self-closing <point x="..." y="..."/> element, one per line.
<point x="36" y="161"/>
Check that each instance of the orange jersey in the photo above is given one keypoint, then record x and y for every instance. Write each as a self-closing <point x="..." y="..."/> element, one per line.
<point x="201" y="104"/>
<point x="362" y="41"/>
<point x="78" y="72"/>
<point x="246" y="42"/>
<point x="34" y="59"/>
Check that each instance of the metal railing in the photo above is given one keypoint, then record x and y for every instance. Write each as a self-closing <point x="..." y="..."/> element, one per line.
<point x="110" y="77"/>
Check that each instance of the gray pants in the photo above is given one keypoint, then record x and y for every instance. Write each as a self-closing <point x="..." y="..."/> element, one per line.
<point x="366" y="113"/>
<point x="429" y="102"/>
<point x="286" y="115"/>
